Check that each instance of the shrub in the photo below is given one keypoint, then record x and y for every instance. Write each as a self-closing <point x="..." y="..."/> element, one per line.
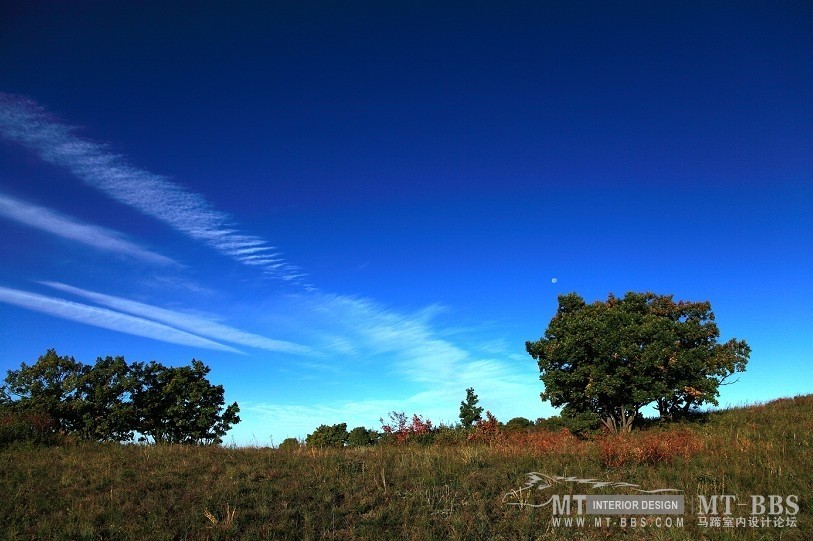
<point x="543" y="441"/>
<point x="360" y="437"/>
<point x="519" y="423"/>
<point x="580" y="424"/>
<point x="289" y="444"/>
<point x="401" y="430"/>
<point x="486" y="430"/>
<point x="328" y="436"/>
<point x="27" y="427"/>
<point x="450" y="435"/>
<point x="653" y="447"/>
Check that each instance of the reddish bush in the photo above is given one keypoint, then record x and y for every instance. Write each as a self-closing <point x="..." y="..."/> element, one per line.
<point x="561" y="442"/>
<point x="619" y="449"/>
<point x="486" y="430"/>
<point x="648" y="447"/>
<point x="402" y="430"/>
<point x="660" y="447"/>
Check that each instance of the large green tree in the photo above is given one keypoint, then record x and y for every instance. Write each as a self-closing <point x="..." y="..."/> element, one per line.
<point x="612" y="358"/>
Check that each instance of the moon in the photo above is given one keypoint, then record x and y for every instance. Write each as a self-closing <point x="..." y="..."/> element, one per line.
<point x="554" y="280"/>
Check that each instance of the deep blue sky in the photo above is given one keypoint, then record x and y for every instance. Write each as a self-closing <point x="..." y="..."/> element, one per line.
<point x="423" y="171"/>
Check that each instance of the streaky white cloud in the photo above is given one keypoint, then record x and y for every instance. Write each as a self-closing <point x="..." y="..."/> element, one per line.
<point x="24" y="121"/>
<point x="107" y="319"/>
<point x="416" y="349"/>
<point x="189" y="322"/>
<point x="63" y="226"/>
<point x="256" y="249"/>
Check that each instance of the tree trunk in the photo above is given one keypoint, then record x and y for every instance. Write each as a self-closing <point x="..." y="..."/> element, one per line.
<point x="624" y="424"/>
<point x="610" y="424"/>
<point x="626" y="421"/>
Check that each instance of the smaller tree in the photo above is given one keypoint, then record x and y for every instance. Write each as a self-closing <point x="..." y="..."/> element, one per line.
<point x="402" y="429"/>
<point x="105" y="410"/>
<point x="486" y="430"/>
<point x="50" y="387"/>
<point x="360" y="436"/>
<point x="328" y="436"/>
<point x="470" y="412"/>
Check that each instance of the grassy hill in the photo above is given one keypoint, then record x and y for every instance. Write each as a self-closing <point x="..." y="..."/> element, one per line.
<point x="466" y="491"/>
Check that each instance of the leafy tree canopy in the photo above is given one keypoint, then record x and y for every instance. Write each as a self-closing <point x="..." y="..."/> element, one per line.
<point x="328" y="436"/>
<point x="612" y="358"/>
<point x="51" y="387"/>
<point x="180" y="405"/>
<point x="106" y="412"/>
<point x="519" y="423"/>
<point x="360" y="436"/>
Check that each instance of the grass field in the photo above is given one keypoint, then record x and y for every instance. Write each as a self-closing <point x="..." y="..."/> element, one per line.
<point x="463" y="491"/>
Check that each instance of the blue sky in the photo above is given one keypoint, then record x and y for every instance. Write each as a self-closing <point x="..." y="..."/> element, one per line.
<point x="350" y="208"/>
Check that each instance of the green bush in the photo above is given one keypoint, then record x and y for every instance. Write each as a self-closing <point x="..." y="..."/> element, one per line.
<point x="361" y="436"/>
<point x="451" y="435"/>
<point x="579" y="424"/>
<point x="519" y="423"/>
<point x="328" y="436"/>
<point x="289" y="444"/>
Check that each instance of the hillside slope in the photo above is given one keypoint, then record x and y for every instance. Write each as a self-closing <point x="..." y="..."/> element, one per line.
<point x="465" y="491"/>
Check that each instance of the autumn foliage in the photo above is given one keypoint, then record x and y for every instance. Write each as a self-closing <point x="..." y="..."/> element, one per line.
<point x="402" y="429"/>
<point x="653" y="447"/>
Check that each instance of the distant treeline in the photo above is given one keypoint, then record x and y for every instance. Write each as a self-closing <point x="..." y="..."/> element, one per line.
<point x="473" y="427"/>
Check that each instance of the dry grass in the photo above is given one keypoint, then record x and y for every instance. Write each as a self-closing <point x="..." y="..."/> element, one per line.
<point x="398" y="492"/>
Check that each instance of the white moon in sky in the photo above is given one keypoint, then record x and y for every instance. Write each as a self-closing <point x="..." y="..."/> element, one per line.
<point x="554" y="280"/>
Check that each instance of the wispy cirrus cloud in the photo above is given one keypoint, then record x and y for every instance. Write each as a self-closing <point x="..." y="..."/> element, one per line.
<point x="418" y="367"/>
<point x="365" y="328"/>
<point x="24" y="121"/>
<point x="189" y="322"/>
<point x="66" y="227"/>
<point x="107" y="319"/>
